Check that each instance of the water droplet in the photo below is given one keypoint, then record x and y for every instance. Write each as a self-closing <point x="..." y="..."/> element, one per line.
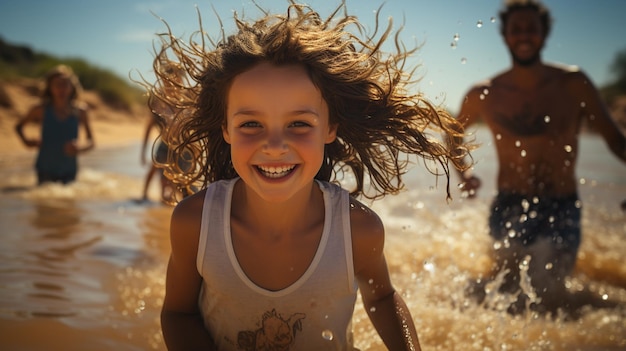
<point x="497" y="245"/>
<point x="463" y="61"/>
<point x="568" y="148"/>
<point x="605" y="297"/>
<point x="518" y="143"/>
<point x="453" y="44"/>
<point x="582" y="181"/>
<point x="457" y="37"/>
<point x="549" y="266"/>
<point x="511" y="233"/>
<point x="498" y="136"/>
<point x="327" y="335"/>
<point x="523" y="153"/>
<point x="486" y="91"/>
<point x="523" y="264"/>
<point x="479" y="24"/>
<point x="482" y="96"/>
<point x="429" y="266"/>
<point x="371" y="281"/>
<point x="492" y="19"/>
<point x="372" y="309"/>
<point x="583" y="104"/>
<point x="525" y="205"/>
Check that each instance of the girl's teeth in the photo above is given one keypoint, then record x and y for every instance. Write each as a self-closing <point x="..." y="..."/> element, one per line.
<point x="276" y="172"/>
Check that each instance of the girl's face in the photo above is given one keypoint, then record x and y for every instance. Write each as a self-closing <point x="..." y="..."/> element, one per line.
<point x="61" y="88"/>
<point x="277" y="125"/>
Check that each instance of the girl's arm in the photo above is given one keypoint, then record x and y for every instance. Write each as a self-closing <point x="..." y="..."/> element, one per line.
<point x="84" y="119"/>
<point x="384" y="306"/>
<point x="35" y="115"/>
<point x="181" y="320"/>
<point x="74" y="147"/>
<point x="151" y="123"/>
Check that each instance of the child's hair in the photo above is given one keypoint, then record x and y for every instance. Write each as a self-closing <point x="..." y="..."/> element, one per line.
<point x="65" y="72"/>
<point x="380" y="122"/>
<point x="516" y="5"/>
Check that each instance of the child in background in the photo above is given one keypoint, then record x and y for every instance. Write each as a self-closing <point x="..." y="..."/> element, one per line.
<point x="60" y="116"/>
<point x="159" y="157"/>
<point x="160" y="113"/>
<point x="270" y="253"/>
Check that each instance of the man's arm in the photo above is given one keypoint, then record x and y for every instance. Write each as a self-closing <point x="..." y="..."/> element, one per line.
<point x="598" y="117"/>
<point x="469" y="114"/>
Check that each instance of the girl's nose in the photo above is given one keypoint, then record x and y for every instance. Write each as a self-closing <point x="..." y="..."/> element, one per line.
<point x="275" y="144"/>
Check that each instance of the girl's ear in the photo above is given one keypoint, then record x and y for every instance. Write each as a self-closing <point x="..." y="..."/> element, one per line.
<point x="332" y="133"/>
<point x="225" y="133"/>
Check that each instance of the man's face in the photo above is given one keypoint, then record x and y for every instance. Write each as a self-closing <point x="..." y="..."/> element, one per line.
<point x="524" y="35"/>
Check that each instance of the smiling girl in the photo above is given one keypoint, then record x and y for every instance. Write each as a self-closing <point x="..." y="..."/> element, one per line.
<point x="270" y="254"/>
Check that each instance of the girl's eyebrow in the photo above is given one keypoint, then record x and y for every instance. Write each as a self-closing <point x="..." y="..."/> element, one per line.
<point x="306" y="110"/>
<point x="245" y="111"/>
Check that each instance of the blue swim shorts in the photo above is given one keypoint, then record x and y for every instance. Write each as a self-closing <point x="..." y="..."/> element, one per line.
<point x="524" y="219"/>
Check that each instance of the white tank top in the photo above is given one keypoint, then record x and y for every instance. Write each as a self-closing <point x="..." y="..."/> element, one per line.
<point x="314" y="313"/>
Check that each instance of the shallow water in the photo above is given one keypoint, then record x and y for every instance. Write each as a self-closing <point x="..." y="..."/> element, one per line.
<point x="83" y="266"/>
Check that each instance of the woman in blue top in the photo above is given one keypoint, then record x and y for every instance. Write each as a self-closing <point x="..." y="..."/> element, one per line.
<point x="60" y="118"/>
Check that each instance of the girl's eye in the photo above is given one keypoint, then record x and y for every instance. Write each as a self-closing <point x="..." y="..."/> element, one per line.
<point x="300" y="124"/>
<point x="250" y="124"/>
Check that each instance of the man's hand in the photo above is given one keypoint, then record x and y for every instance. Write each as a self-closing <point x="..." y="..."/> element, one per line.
<point x="469" y="186"/>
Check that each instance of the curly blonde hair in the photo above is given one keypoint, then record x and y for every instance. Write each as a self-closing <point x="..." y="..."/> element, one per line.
<point x="380" y="122"/>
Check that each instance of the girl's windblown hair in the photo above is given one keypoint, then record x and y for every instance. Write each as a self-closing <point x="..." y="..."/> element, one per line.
<point x="381" y="122"/>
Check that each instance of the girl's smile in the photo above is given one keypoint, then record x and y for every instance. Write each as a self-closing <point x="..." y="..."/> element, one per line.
<point x="276" y="171"/>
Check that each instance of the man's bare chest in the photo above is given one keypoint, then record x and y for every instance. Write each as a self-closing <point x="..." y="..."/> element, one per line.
<point x="533" y="114"/>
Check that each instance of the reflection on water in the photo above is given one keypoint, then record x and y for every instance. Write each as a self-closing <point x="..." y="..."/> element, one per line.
<point x="83" y="266"/>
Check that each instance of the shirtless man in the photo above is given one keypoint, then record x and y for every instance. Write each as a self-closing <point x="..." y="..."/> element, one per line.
<point x="535" y="111"/>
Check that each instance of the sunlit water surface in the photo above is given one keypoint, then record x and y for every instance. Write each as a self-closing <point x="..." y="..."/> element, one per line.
<point x="83" y="266"/>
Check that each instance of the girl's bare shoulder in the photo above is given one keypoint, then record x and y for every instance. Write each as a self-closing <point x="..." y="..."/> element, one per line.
<point x="365" y="223"/>
<point x="188" y="211"/>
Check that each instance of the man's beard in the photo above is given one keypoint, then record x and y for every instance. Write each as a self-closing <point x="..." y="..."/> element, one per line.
<point x="526" y="62"/>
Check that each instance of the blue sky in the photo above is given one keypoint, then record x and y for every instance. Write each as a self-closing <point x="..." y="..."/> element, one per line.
<point x="118" y="34"/>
